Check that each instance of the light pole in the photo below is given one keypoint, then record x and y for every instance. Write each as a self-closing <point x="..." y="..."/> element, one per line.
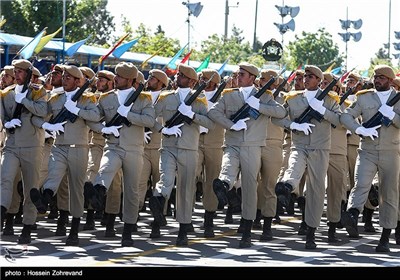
<point x="283" y="12"/>
<point x="193" y="9"/>
<point x="346" y="25"/>
<point x="226" y="16"/>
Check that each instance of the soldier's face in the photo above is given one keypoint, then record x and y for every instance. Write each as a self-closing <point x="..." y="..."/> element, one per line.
<point x="69" y="82"/>
<point x="382" y="83"/>
<point x="245" y="79"/>
<point x="20" y="75"/>
<point x="311" y="81"/>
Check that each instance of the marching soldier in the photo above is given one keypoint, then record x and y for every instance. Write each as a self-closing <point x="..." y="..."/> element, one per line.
<point x="310" y="148"/>
<point x="24" y="142"/>
<point x="378" y="152"/>
<point x="69" y="155"/>
<point x="124" y="146"/>
<point x="243" y="142"/>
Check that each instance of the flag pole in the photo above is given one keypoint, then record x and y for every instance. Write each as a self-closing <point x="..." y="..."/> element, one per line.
<point x="19" y="52"/>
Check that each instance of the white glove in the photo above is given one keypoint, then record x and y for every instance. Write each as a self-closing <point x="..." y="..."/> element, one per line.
<point x="348" y="132"/>
<point x="48" y="135"/>
<point x="124" y="110"/>
<point x="147" y="136"/>
<point x="20" y="96"/>
<point x="175" y="130"/>
<point x="186" y="110"/>
<point x="368" y="132"/>
<point x="240" y="124"/>
<point x="317" y="105"/>
<point x="71" y="106"/>
<point x="111" y="130"/>
<point x="12" y="124"/>
<point x="304" y="127"/>
<point x="203" y="129"/>
<point x="253" y="102"/>
<point x="387" y="111"/>
<point x="57" y="127"/>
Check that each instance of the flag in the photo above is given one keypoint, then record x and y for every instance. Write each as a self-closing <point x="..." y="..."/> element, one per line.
<point x="2" y="22"/>
<point x="336" y="70"/>
<point x="75" y="47"/>
<point x="221" y="69"/>
<point x="204" y="64"/>
<point x="171" y="64"/>
<point x="44" y="40"/>
<point x="329" y="69"/>
<point x="291" y="78"/>
<point x="27" y="50"/>
<point x="344" y="77"/>
<point x="119" y="42"/>
<point x="123" y="48"/>
<point x="172" y="72"/>
<point x="144" y="63"/>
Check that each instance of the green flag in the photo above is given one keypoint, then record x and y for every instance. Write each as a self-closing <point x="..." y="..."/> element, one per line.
<point x="204" y="64"/>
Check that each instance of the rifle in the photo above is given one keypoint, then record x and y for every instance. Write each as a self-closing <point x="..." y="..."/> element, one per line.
<point x="282" y="85"/>
<point x="378" y="118"/>
<point x="18" y="109"/>
<point x="118" y="119"/>
<point x="178" y="117"/>
<point x="218" y="92"/>
<point x="64" y="114"/>
<point x="246" y="110"/>
<point x="310" y="113"/>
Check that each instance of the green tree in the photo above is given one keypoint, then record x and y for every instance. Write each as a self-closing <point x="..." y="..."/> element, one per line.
<point x="313" y="48"/>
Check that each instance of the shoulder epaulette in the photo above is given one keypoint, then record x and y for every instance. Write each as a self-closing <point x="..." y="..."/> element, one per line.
<point x="54" y="97"/>
<point x="38" y="93"/>
<point x="88" y="96"/>
<point x="363" y="91"/>
<point x="292" y="94"/>
<point x="164" y="94"/>
<point x="145" y="95"/>
<point x="269" y="92"/>
<point x="202" y="98"/>
<point x="334" y="96"/>
<point x="35" y="86"/>
<point x="347" y="102"/>
<point x="5" y="91"/>
<point x="229" y="90"/>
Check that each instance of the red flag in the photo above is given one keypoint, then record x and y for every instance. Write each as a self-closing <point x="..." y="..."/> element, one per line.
<point x="172" y="72"/>
<point x="291" y="78"/>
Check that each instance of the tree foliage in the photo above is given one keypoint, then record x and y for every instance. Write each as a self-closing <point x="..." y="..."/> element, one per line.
<point x="313" y="48"/>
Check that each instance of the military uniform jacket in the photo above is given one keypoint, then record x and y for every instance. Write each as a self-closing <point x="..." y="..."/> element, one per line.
<point x="367" y="105"/>
<point x="76" y="133"/>
<point x="230" y="102"/>
<point x="275" y="132"/>
<point x="141" y="115"/>
<point x="30" y="133"/>
<point x="339" y="138"/>
<point x="167" y="105"/>
<point x="320" y="138"/>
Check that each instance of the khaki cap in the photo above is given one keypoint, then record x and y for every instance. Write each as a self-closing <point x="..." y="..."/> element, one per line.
<point x="140" y="78"/>
<point x="188" y="71"/>
<point x="36" y="72"/>
<point x="384" y="70"/>
<point x="73" y="71"/>
<point x="207" y="73"/>
<point x="252" y="69"/>
<point x="314" y="70"/>
<point x="87" y="72"/>
<point x="267" y="74"/>
<point x="329" y="77"/>
<point x="354" y="75"/>
<point x="160" y="75"/>
<point x="126" y="70"/>
<point x="9" y="70"/>
<point x="106" y="74"/>
<point x="22" y="64"/>
<point x="299" y="72"/>
<point x="58" y="67"/>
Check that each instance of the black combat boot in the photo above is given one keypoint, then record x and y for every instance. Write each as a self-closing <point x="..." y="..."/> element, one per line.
<point x="104" y="219"/>
<point x="245" y="242"/>
<point x="290" y="206"/>
<point x="373" y="196"/>
<point x="383" y="245"/>
<point x="156" y="204"/>
<point x="155" y="230"/>
<point x="18" y="216"/>
<point x="127" y="240"/>
<point x="110" y="230"/>
<point x="397" y="233"/>
<point x="283" y="192"/>
<point x="98" y="199"/>
<point x="332" y="233"/>
<point x="209" y="224"/>
<point x="310" y="238"/>
<point x="229" y="216"/>
<point x="301" y="202"/>
<point x="72" y="239"/>
<point x="221" y="189"/>
<point x="25" y="237"/>
<point x="241" y="227"/>
<point x="62" y="223"/>
<point x="41" y="200"/>
<point x="349" y="220"/>
<point x="53" y="214"/>
<point x="234" y="200"/>
<point x="267" y="231"/>
<point x="367" y="214"/>
<point x="182" y="240"/>
<point x="9" y="226"/>
<point x="3" y="216"/>
<point x="257" y="221"/>
<point x="90" y="224"/>
<point x="199" y="191"/>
